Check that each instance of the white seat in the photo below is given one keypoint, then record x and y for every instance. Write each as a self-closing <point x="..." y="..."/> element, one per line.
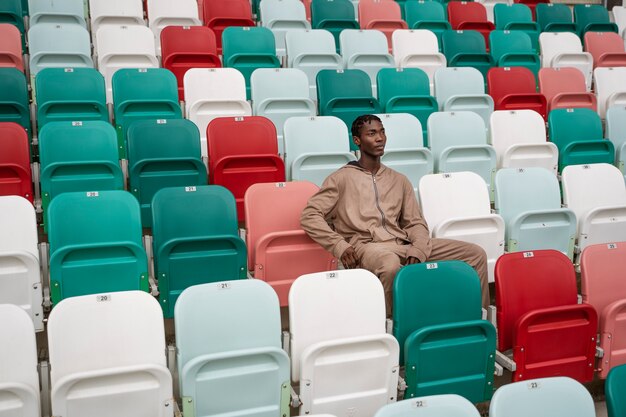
<point x="616" y="133"/>
<point x="443" y="405"/>
<point x="366" y="50"/>
<point x="163" y="13"/>
<point x="54" y="45"/>
<point x="19" y="380"/>
<point x="107" y="357"/>
<point x="457" y="206"/>
<point x="55" y="11"/>
<point x="282" y="16"/>
<point x="596" y="193"/>
<point x="344" y="364"/>
<point x="619" y="15"/>
<point x="564" y="49"/>
<point x="20" y="282"/>
<point x="610" y="86"/>
<point x="115" y="12"/>
<point x="124" y="47"/>
<point x="211" y="93"/>
<point x="519" y="138"/>
<point x="418" y="49"/>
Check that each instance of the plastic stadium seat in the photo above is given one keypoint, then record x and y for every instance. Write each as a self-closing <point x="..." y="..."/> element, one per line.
<point x="578" y="135"/>
<point x="95" y="244"/>
<point x="124" y="47"/>
<point x="196" y="240"/>
<point x="219" y="15"/>
<point x="19" y="382"/>
<point x="458" y="141"/>
<point x="247" y="49"/>
<point x="555" y="17"/>
<point x="163" y="13"/>
<point x="532" y="4"/>
<point x="592" y="18"/>
<point x="515" y="88"/>
<point x="430" y="406"/>
<point x="519" y="138"/>
<point x="601" y="267"/>
<point x="470" y="16"/>
<point x="381" y="15"/>
<point x="345" y="94"/>
<point x="11" y="12"/>
<point x="311" y="51"/>
<point x="11" y="47"/>
<point x="565" y="88"/>
<point x="315" y="147"/>
<point x="539" y="317"/>
<point x="610" y="88"/>
<point x="529" y="201"/>
<point x="334" y="16"/>
<point x="186" y="47"/>
<point x="345" y="363"/>
<point x="162" y="153"/>
<point x="615" y="383"/>
<point x="429" y="15"/>
<point x="563" y="49"/>
<point x="58" y="12"/>
<point x="211" y="93"/>
<point x="366" y="50"/>
<point x="116" y="13"/>
<point x="596" y="193"/>
<point x="557" y="396"/>
<point x="607" y="49"/>
<point x="616" y="133"/>
<point x="90" y="368"/>
<point x="140" y="94"/>
<point x="15" y="171"/>
<point x="282" y="16"/>
<point x="20" y="281"/>
<point x="457" y="206"/>
<point x="279" y="94"/>
<point x="517" y="17"/>
<point x="445" y="351"/>
<point x="418" y="49"/>
<point x="243" y="151"/>
<point x="513" y="48"/>
<point x="405" y="150"/>
<point x="466" y="48"/>
<point x="14" y="105"/>
<point x="279" y="250"/>
<point x="242" y="350"/>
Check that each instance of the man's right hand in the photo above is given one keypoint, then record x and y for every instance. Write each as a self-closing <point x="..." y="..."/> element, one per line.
<point x="349" y="259"/>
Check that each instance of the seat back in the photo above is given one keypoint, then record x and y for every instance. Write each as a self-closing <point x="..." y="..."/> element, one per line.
<point x="616" y="132"/>
<point x="462" y="41"/>
<point x="426" y="15"/>
<point x="513" y="48"/>
<point x="610" y="87"/>
<point x="115" y="13"/>
<point x="592" y="17"/>
<point x="614" y="389"/>
<point x="555" y="17"/>
<point x="507" y="16"/>
<point x="53" y="45"/>
<point x="11" y="47"/>
<point x="380" y="15"/>
<point x="366" y="50"/>
<point x="462" y="12"/>
<point x="15" y="171"/>
<point x="607" y="49"/>
<point x="437" y="405"/>
<point x="14" y="98"/>
<point x="282" y="16"/>
<point x="565" y="88"/>
<point x="450" y="82"/>
<point x="333" y="14"/>
<point x="510" y="80"/>
<point x="162" y="13"/>
<point x="218" y="15"/>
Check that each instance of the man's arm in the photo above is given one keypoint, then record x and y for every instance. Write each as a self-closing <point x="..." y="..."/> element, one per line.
<point x="413" y="223"/>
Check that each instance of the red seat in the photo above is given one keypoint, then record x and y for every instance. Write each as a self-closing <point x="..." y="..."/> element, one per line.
<point x="243" y="151"/>
<point x="382" y="15"/>
<point x="470" y="16"/>
<point x="15" y="172"/>
<point x="602" y="282"/>
<point x="11" y="47"/>
<point x="515" y="88"/>
<point x="186" y="47"/>
<point x="607" y="49"/>
<point x="220" y="14"/>
<point x="565" y="88"/>
<point x="539" y="317"/>
<point x="279" y="251"/>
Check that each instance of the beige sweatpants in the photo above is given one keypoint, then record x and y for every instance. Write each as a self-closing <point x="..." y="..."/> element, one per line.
<point x="386" y="258"/>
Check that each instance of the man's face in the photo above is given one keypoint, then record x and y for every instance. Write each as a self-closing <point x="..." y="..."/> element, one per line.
<point x="371" y="139"/>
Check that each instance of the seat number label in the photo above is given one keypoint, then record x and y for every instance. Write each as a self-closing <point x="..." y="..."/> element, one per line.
<point x="102" y="298"/>
<point x="529" y="255"/>
<point x="534" y="385"/>
<point x="420" y="404"/>
<point x="191" y="189"/>
<point x="93" y="194"/>
<point x="432" y="266"/>
<point x="332" y="275"/>
<point x="612" y="246"/>
<point x="224" y="286"/>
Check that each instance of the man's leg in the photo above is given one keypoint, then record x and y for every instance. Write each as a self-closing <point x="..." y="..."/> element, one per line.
<point x="474" y="255"/>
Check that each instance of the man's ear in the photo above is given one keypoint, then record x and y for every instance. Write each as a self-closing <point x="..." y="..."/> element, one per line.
<point x="356" y="140"/>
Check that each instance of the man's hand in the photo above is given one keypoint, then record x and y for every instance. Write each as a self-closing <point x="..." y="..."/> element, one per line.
<point x="412" y="260"/>
<point x="349" y="259"/>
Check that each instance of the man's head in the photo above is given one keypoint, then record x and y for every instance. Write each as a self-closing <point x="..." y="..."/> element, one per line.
<point x="368" y="133"/>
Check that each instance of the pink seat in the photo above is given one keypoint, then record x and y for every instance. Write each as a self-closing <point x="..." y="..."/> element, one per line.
<point x="382" y="15"/>
<point x="10" y="47"/>
<point x="607" y="49"/>
<point x="15" y="172"/>
<point x="565" y="88"/>
<point x="602" y="284"/>
<point x="279" y="251"/>
<point x="470" y="16"/>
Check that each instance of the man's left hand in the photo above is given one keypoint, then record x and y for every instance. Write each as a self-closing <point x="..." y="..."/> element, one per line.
<point x="412" y="260"/>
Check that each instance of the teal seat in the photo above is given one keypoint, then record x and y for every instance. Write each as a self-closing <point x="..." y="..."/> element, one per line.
<point x="85" y="101"/>
<point x="427" y="14"/>
<point x="95" y="244"/>
<point x="247" y="49"/>
<point x="529" y="201"/>
<point x="14" y="98"/>
<point x="12" y="12"/>
<point x="466" y="48"/>
<point x="615" y="388"/>
<point x="592" y="18"/>
<point x="57" y="12"/>
<point x="444" y="405"/>
<point x="555" y="17"/>
<point x="162" y="153"/>
<point x="231" y="363"/>
<point x="578" y="135"/>
<point x="616" y="133"/>
<point x="139" y="94"/>
<point x="333" y="16"/>
<point x="517" y="16"/>
<point x="77" y="156"/>
<point x="406" y="90"/>
<point x="196" y="240"/>
<point x="345" y="94"/>
<point x="444" y="350"/>
<point x="513" y="48"/>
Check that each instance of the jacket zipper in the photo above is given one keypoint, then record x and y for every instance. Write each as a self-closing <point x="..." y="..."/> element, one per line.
<point x="382" y="214"/>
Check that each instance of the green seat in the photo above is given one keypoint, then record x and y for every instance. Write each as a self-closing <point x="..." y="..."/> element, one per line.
<point x="196" y="240"/>
<point x="592" y="18"/>
<point x="555" y="17"/>
<point x="77" y="156"/>
<point x="345" y="94"/>
<point x="247" y="49"/>
<point x="95" y="244"/>
<point x="615" y="389"/>
<point x="466" y="48"/>
<point x="578" y="135"/>
<point x="163" y="153"/>
<point x="85" y="101"/>
<point x="517" y="16"/>
<point x="512" y="48"/>
<point x="14" y="98"/>
<point x="13" y="12"/>
<point x="427" y="14"/>
<point x="445" y="350"/>
<point x="406" y="91"/>
<point x="333" y="16"/>
<point x="139" y="94"/>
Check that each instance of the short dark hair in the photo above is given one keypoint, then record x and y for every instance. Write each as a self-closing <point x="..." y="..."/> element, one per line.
<point x="361" y="120"/>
